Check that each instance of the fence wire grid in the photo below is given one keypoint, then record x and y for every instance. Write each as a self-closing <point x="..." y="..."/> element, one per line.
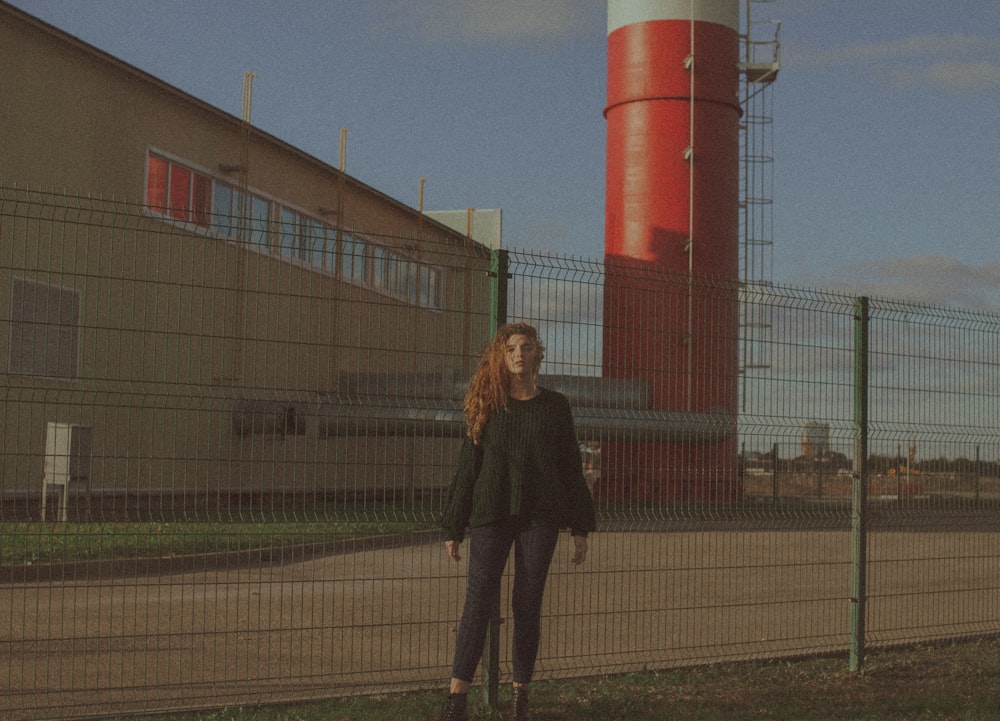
<point x="223" y="465"/>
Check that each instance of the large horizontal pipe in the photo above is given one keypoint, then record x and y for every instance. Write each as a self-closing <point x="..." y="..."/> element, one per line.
<point x="430" y="405"/>
<point x="608" y="424"/>
<point x="580" y="390"/>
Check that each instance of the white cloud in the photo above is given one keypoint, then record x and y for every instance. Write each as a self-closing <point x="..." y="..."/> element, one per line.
<point x="469" y="22"/>
<point x="927" y="48"/>
<point x="964" y="77"/>
<point x="956" y="63"/>
<point x="926" y="279"/>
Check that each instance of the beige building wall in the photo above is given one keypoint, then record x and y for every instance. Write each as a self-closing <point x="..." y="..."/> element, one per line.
<point x="180" y="329"/>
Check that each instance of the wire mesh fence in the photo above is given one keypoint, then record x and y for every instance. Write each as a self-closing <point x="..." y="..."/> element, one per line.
<point x="223" y="462"/>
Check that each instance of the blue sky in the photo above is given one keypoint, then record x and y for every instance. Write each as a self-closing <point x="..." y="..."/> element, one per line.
<point x="886" y="117"/>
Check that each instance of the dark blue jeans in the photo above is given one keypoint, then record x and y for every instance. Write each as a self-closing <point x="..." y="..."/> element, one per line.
<point x="489" y="547"/>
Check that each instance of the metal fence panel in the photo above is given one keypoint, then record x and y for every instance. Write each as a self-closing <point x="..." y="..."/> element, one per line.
<point x="935" y="396"/>
<point x="256" y="443"/>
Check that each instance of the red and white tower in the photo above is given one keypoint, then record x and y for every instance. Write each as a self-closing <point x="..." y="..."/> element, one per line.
<point x="672" y="236"/>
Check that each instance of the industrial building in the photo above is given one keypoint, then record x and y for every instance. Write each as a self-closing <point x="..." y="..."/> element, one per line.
<point x="193" y="291"/>
<point x="152" y="243"/>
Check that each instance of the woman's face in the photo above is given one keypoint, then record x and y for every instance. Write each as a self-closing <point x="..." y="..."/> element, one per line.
<point x="522" y="356"/>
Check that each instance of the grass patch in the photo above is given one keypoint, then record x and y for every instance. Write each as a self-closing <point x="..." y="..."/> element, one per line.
<point x="953" y="681"/>
<point x="37" y="543"/>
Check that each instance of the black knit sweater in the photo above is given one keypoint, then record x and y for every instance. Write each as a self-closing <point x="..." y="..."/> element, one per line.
<point x="527" y="465"/>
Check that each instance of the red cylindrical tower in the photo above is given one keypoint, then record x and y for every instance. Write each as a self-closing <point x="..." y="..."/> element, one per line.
<point x="671" y="234"/>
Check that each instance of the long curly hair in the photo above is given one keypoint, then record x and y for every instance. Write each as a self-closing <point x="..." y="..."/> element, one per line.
<point x="489" y="387"/>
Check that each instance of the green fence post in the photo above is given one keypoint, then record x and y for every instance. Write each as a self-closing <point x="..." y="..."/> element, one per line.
<point x="859" y="495"/>
<point x="499" y="275"/>
<point x="979" y="474"/>
<point x="774" y="474"/>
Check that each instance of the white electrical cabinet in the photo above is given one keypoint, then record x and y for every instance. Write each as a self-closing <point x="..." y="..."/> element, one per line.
<point x="67" y="460"/>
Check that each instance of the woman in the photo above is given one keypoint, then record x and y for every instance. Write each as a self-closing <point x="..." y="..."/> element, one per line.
<point x="519" y="481"/>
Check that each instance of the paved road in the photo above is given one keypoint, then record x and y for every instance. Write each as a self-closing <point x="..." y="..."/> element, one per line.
<point x="365" y="619"/>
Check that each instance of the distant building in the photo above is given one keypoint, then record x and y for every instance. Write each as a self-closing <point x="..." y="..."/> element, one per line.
<point x="816" y="440"/>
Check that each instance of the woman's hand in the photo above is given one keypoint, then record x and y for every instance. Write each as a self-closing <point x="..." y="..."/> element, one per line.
<point x="580" y="550"/>
<point x="452" y="547"/>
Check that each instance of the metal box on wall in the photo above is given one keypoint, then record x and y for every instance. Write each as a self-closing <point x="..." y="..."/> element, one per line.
<point x="67" y="459"/>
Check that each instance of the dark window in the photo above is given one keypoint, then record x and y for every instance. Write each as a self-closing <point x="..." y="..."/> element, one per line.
<point x="44" y="330"/>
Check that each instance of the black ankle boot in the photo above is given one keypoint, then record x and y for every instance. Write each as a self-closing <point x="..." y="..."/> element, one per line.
<point x="454" y="708"/>
<point x="519" y="710"/>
